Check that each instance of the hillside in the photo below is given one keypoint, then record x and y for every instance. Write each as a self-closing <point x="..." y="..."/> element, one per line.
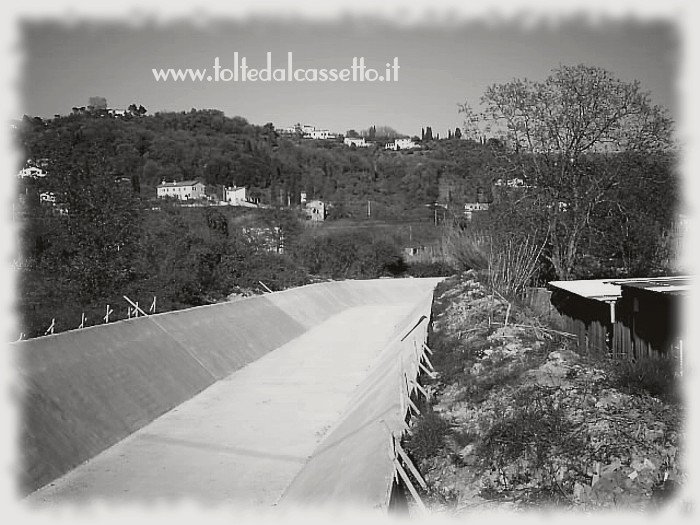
<point x="518" y="420"/>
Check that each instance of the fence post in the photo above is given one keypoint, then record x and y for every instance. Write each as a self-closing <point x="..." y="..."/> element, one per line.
<point x="106" y="317"/>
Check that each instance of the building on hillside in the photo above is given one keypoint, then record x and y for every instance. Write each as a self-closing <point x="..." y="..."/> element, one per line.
<point x="31" y="172"/>
<point x="288" y="131"/>
<point x="401" y="144"/>
<point x="471" y="207"/>
<point x="312" y="132"/>
<point x="319" y="134"/>
<point x="357" y="142"/>
<point x="306" y="131"/>
<point x="515" y="182"/>
<point x="315" y="211"/>
<point x="184" y="190"/>
<point x="238" y="196"/>
<point x="47" y="197"/>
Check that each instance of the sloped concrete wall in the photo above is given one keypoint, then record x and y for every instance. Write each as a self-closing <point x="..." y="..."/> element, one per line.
<point x="354" y="465"/>
<point x="85" y="390"/>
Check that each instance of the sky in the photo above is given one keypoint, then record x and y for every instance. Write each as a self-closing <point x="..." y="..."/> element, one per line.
<point x="440" y="65"/>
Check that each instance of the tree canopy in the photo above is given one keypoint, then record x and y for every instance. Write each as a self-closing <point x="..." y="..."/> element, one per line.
<point x="560" y="135"/>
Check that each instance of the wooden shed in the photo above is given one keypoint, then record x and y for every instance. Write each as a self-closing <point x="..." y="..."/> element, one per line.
<point x="629" y="318"/>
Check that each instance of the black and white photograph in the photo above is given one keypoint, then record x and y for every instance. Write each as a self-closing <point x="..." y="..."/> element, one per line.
<point x="351" y="261"/>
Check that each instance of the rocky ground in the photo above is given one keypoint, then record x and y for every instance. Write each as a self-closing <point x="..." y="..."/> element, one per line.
<point x="518" y="420"/>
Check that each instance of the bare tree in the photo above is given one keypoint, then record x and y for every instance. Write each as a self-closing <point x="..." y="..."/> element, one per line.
<point x="560" y="133"/>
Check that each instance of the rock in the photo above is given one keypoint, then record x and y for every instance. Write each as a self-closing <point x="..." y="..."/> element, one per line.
<point x="512" y="348"/>
<point x="506" y="332"/>
<point x="476" y="369"/>
<point x="468" y="452"/>
<point x="564" y="355"/>
<point x="652" y="434"/>
<point x="610" y="398"/>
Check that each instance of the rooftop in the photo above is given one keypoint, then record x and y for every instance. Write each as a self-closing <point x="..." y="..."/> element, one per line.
<point x="181" y="183"/>
<point x="609" y="290"/>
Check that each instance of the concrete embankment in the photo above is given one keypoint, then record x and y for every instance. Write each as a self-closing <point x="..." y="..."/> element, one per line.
<point x="87" y="390"/>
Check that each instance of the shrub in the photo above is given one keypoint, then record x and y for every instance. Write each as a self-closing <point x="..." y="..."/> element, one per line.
<point x="348" y="255"/>
<point x="512" y="264"/>
<point x="430" y="269"/>
<point x="509" y="261"/>
<point x="467" y="247"/>
<point x="428" y="436"/>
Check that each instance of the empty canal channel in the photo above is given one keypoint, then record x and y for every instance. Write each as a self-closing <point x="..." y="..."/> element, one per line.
<point x="292" y="397"/>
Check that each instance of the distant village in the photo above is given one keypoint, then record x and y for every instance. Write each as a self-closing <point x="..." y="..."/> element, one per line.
<point x="194" y="193"/>
<point x="307" y="131"/>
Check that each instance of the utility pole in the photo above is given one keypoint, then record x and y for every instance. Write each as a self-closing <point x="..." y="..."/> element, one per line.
<point x="369" y="208"/>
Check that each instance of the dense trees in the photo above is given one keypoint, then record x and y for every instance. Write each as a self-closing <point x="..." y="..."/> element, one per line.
<point x="349" y="255"/>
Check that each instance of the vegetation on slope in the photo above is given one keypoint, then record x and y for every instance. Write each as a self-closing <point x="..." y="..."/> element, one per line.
<point x="518" y="419"/>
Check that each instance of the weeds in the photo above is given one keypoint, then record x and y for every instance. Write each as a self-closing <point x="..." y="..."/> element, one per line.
<point x="509" y="263"/>
<point x="467" y="247"/>
<point x="428" y="436"/>
<point x="512" y="264"/>
<point x="534" y="449"/>
<point x="653" y="376"/>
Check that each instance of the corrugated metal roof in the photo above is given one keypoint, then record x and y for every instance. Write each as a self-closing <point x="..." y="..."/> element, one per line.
<point x="609" y="290"/>
<point x="678" y="286"/>
<point x="598" y="289"/>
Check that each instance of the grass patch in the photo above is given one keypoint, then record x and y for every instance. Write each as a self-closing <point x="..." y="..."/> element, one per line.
<point x="653" y="376"/>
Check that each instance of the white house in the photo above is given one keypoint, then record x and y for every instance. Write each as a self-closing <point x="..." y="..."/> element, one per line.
<point x="400" y="144"/>
<point x="515" y="182"/>
<point x="31" y="172"/>
<point x="48" y="197"/>
<point x="184" y="190"/>
<point x="315" y="210"/>
<point x="319" y="134"/>
<point x="237" y="196"/>
<point x="357" y="142"/>
<point x="471" y="207"/>
<point x="311" y="132"/>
